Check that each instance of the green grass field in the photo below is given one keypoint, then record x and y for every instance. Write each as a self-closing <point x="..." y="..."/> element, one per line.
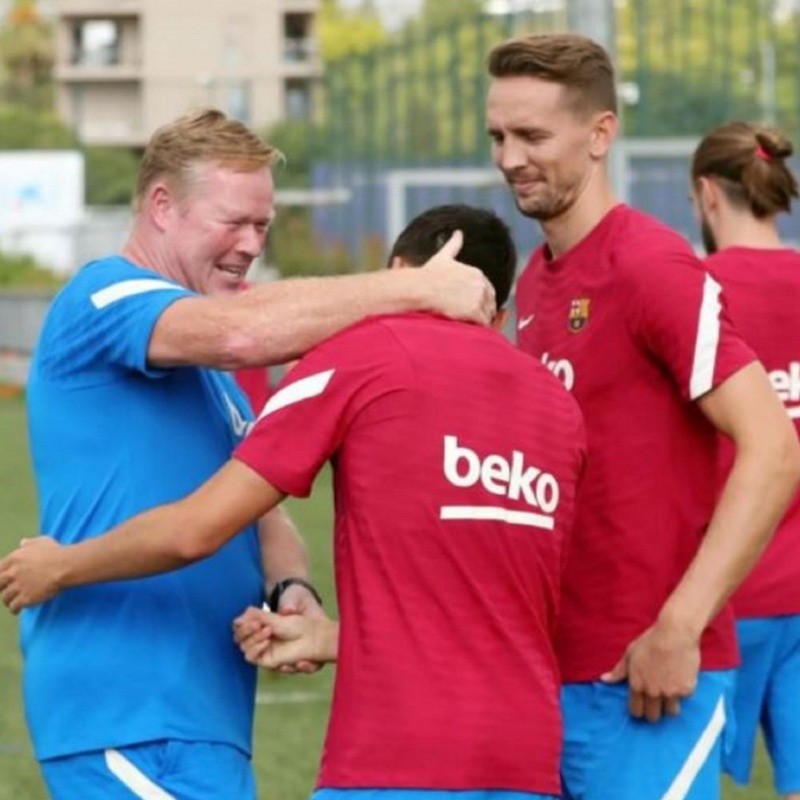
<point x="292" y="710"/>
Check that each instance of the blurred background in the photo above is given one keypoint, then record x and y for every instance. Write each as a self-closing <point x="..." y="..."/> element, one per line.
<point x="378" y="107"/>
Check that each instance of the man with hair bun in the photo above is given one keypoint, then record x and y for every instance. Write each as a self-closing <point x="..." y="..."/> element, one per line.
<point x="619" y="307"/>
<point x="136" y="687"/>
<point x="740" y="184"/>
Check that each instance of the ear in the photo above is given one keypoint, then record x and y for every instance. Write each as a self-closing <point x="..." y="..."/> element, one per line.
<point x="500" y="319"/>
<point x="604" y="130"/>
<point x="397" y="263"/>
<point x="160" y="203"/>
<point x="708" y="193"/>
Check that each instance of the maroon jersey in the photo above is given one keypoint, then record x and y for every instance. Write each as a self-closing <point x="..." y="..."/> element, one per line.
<point x="455" y="463"/>
<point x="632" y="324"/>
<point x="763" y="292"/>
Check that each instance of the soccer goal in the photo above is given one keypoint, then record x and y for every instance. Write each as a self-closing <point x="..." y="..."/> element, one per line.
<point x="651" y="174"/>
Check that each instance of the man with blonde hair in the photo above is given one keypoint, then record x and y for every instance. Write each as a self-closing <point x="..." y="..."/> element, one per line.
<point x="618" y="306"/>
<point x="135" y="689"/>
<point x="450" y="517"/>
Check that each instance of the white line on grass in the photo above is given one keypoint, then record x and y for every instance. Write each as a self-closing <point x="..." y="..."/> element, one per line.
<point x="285" y="698"/>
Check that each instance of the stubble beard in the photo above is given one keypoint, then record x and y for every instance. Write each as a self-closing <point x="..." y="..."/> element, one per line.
<point x="545" y="208"/>
<point x="709" y="240"/>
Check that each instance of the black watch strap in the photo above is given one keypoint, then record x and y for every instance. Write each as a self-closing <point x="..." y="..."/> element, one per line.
<point x="281" y="586"/>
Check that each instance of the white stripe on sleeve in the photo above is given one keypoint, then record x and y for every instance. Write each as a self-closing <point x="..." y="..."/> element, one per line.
<point x="705" y="347"/>
<point x="119" y="291"/>
<point x="303" y="389"/>
<point x="697" y="758"/>
<point x="132" y="777"/>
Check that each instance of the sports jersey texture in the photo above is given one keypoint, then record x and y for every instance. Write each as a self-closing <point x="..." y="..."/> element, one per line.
<point x="134" y="661"/>
<point x="636" y="330"/>
<point x="763" y="289"/>
<point x="455" y="459"/>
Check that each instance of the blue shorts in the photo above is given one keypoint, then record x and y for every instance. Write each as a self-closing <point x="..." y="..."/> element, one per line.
<point x="767" y="692"/>
<point x="168" y="770"/>
<point x="426" y="794"/>
<point x="610" y="755"/>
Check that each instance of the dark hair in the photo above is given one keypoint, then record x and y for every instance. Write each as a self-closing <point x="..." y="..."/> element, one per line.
<point x="574" y="61"/>
<point x="750" y="163"/>
<point x="487" y="242"/>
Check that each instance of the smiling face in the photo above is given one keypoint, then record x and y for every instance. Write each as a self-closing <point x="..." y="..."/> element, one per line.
<point x="545" y="149"/>
<point x="217" y="226"/>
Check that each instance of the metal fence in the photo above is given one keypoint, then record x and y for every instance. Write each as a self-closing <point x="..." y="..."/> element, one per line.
<point x="683" y="67"/>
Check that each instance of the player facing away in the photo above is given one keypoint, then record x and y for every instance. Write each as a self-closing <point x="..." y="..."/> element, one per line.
<point x="456" y="458"/>
<point x="740" y="183"/>
<point x="617" y="305"/>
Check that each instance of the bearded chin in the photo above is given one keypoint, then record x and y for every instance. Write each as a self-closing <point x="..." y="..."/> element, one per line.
<point x="709" y="241"/>
<point x="543" y="213"/>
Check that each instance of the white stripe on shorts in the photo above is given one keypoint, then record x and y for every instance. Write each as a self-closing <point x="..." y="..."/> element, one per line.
<point x="699" y="755"/>
<point x="130" y="288"/>
<point x="134" y="778"/>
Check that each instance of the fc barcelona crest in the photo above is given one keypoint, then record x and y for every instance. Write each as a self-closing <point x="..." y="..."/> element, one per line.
<point x="578" y="314"/>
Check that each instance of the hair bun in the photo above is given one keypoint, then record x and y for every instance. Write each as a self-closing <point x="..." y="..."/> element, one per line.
<point x="774" y="143"/>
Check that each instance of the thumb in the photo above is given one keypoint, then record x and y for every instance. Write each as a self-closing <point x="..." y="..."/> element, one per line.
<point x="23" y="542"/>
<point x="618" y="674"/>
<point x="452" y="246"/>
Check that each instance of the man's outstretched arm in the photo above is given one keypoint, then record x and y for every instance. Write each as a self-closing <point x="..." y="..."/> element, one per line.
<point x="280" y="321"/>
<point x="158" y="540"/>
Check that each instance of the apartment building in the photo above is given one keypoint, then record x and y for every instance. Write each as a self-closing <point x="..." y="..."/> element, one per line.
<point x="124" y="67"/>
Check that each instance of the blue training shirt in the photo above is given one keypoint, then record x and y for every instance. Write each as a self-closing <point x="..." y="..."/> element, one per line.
<point x="127" y="662"/>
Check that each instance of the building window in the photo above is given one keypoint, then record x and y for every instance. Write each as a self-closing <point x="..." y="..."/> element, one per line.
<point x="298" y="99"/>
<point x="298" y="43"/>
<point x="95" y="43"/>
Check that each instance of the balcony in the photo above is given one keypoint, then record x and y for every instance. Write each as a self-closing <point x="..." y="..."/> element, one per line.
<point x="300" y="6"/>
<point x="100" y="50"/>
<point x="99" y="8"/>
<point x="111" y="134"/>
<point x="98" y="73"/>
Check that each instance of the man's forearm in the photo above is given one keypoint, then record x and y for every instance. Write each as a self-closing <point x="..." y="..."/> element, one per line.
<point x="134" y="549"/>
<point x="277" y="322"/>
<point x="752" y="503"/>
<point x="283" y="552"/>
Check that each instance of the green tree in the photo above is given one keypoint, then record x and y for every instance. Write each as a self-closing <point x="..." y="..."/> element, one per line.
<point x="343" y="32"/>
<point x="707" y="60"/>
<point x="27" y="54"/>
<point x="301" y="142"/>
<point x="22" y="128"/>
<point x="110" y="175"/>
<point x="436" y="13"/>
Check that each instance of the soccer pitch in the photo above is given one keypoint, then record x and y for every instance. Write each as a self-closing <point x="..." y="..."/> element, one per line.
<point x="292" y="710"/>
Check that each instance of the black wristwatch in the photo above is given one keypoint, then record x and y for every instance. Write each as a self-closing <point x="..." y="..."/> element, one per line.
<point x="281" y="586"/>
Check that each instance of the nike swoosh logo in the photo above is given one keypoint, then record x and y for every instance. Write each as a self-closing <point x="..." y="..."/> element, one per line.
<point x="239" y="424"/>
<point x="525" y="321"/>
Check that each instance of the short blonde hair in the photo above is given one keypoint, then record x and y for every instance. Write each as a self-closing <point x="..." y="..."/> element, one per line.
<point x="206" y="136"/>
